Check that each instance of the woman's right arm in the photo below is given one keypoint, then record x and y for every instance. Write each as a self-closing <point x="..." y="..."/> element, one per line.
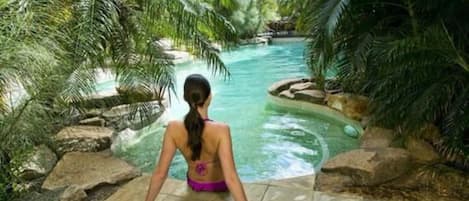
<point x="225" y="154"/>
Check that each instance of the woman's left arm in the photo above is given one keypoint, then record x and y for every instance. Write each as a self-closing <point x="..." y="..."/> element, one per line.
<point x="161" y="170"/>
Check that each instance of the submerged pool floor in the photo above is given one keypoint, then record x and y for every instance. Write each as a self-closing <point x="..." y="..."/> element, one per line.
<point x="268" y="143"/>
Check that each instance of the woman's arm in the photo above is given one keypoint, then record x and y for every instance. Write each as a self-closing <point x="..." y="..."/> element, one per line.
<point x="225" y="153"/>
<point x="161" y="170"/>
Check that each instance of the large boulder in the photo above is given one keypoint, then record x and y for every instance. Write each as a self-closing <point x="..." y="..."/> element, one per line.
<point x="282" y="85"/>
<point x="334" y="182"/>
<point x="377" y="137"/>
<point x="311" y="95"/>
<point x="40" y="162"/>
<point x="88" y="170"/>
<point x="369" y="167"/>
<point x="353" y="106"/>
<point x="83" y="138"/>
<point x="421" y="150"/>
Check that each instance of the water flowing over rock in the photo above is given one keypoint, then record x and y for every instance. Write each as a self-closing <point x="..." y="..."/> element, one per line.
<point x="39" y="163"/>
<point x="83" y="138"/>
<point x="368" y="167"/>
<point x="88" y="170"/>
<point x="376" y="137"/>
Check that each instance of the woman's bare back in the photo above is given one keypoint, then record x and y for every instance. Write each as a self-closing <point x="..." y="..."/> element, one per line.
<point x="208" y="167"/>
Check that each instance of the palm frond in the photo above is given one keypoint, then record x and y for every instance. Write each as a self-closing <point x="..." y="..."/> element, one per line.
<point x="188" y="33"/>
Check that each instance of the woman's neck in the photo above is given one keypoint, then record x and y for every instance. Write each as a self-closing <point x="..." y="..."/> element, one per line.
<point x="203" y="111"/>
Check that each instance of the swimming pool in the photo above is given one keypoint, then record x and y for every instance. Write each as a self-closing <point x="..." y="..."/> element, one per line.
<point x="268" y="142"/>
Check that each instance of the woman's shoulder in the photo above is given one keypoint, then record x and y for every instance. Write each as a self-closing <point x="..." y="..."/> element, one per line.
<point x="175" y="123"/>
<point x="217" y="124"/>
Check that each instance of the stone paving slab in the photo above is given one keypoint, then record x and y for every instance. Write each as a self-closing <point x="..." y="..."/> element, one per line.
<point x="322" y="196"/>
<point x="303" y="182"/>
<point x="295" y="189"/>
<point x="275" y="193"/>
<point x="254" y="192"/>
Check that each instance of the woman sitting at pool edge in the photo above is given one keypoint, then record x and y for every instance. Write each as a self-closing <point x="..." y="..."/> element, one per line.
<point x="205" y="144"/>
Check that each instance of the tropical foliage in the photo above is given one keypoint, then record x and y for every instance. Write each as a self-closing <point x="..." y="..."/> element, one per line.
<point x="51" y="49"/>
<point x="249" y="17"/>
<point x="409" y="56"/>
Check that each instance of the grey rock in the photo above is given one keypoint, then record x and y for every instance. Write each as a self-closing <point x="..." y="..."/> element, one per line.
<point x="38" y="164"/>
<point x="332" y="182"/>
<point x="88" y="170"/>
<point x="282" y="85"/>
<point x="369" y="167"/>
<point x="134" y="116"/>
<point x="83" y="138"/>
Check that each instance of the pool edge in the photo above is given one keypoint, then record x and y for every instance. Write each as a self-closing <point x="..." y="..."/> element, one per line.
<point x="316" y="109"/>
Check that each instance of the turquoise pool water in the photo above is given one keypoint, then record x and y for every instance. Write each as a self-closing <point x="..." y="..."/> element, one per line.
<point x="268" y="142"/>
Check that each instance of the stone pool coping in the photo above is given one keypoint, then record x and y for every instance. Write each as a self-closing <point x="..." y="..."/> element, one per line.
<point x="298" y="189"/>
<point x="321" y="110"/>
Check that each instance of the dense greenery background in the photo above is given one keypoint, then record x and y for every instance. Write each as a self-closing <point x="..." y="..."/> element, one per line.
<point x="409" y="56"/>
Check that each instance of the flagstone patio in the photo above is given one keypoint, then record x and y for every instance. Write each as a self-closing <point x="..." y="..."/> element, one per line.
<point x="295" y="189"/>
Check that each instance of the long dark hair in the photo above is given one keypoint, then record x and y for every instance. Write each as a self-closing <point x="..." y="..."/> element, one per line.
<point x="196" y="92"/>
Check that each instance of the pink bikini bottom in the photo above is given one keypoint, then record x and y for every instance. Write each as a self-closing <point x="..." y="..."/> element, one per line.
<point x="207" y="186"/>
